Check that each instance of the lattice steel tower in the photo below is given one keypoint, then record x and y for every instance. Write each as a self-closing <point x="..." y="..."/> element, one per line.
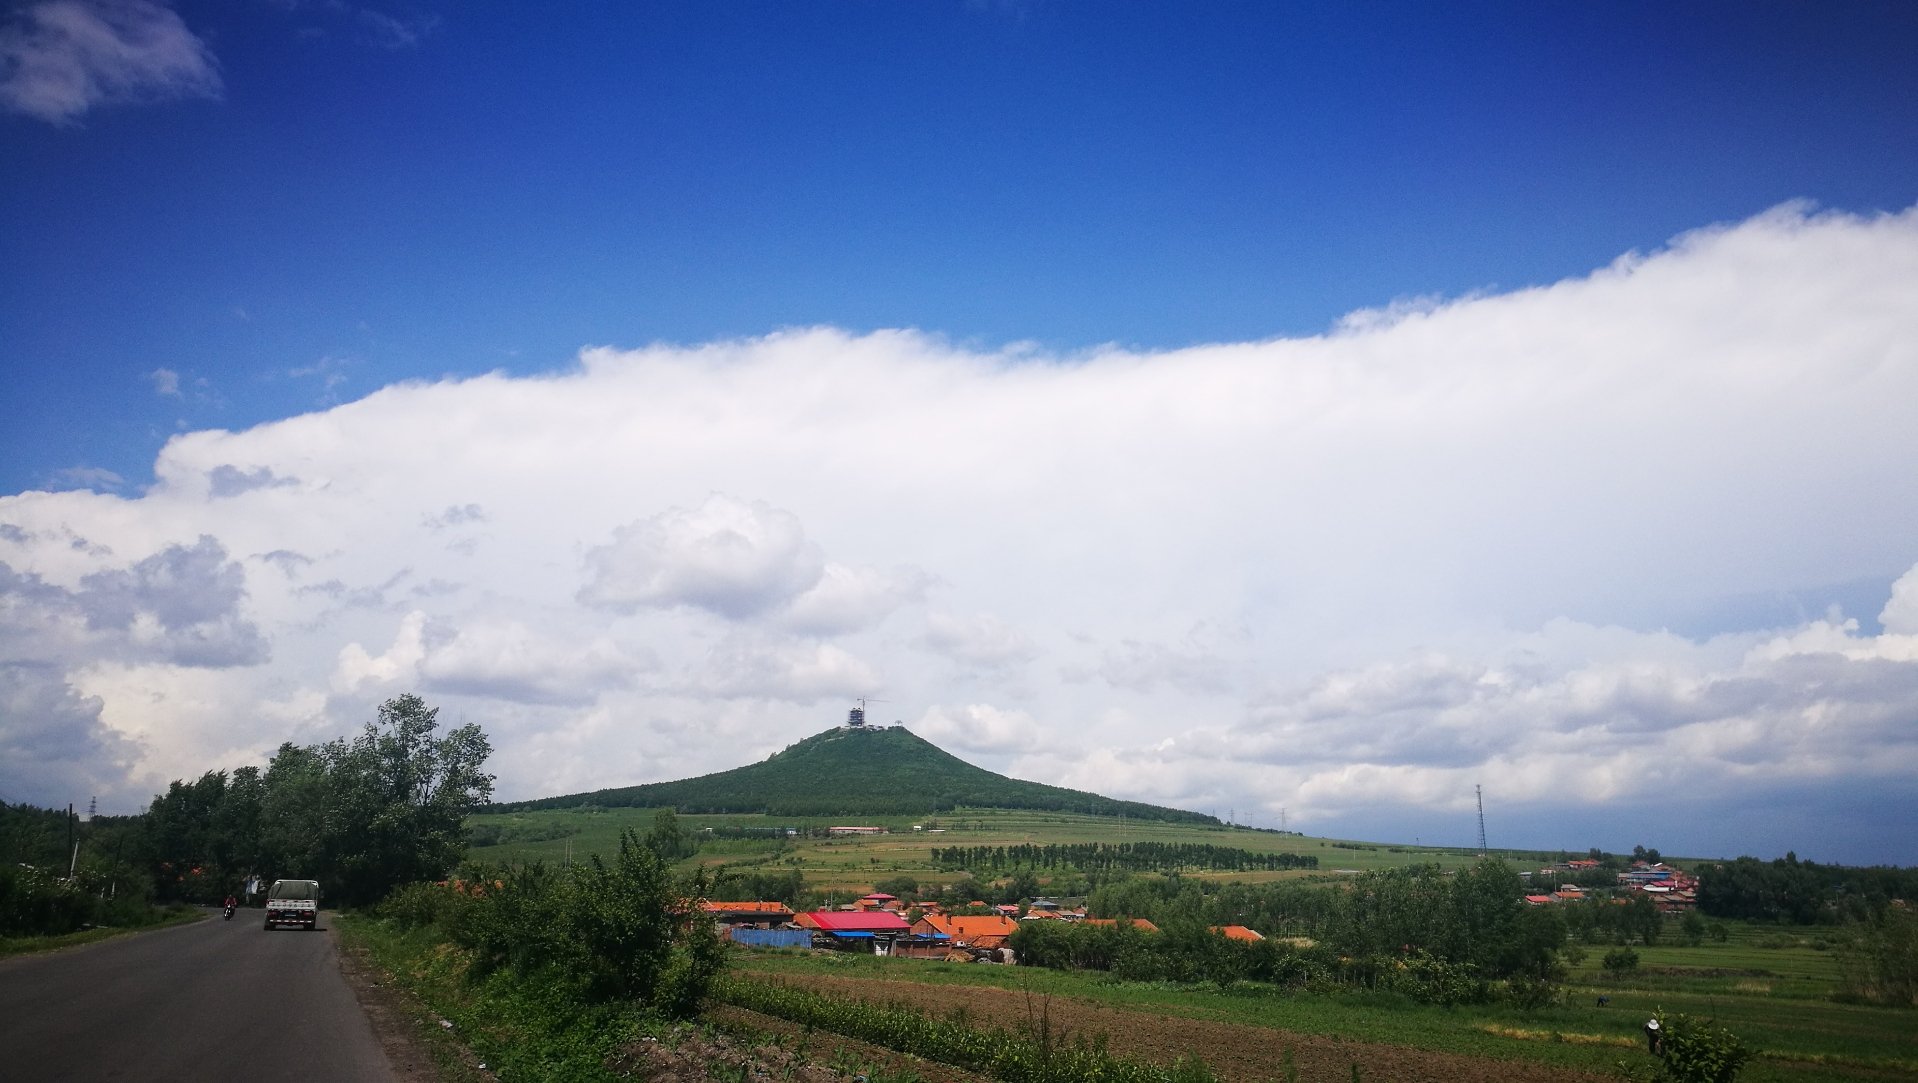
<point x="1480" y="790"/>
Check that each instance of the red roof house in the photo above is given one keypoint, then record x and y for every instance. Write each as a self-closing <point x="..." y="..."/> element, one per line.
<point x="842" y="921"/>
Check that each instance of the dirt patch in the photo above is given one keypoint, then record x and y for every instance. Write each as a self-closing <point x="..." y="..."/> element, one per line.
<point x="1236" y="1052"/>
<point x="755" y="1046"/>
<point x="400" y="1023"/>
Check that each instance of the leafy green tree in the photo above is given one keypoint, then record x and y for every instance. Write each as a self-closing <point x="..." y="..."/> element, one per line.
<point x="296" y="839"/>
<point x="397" y="798"/>
<point x="1881" y="961"/>
<point x="1692" y="928"/>
<point x="185" y="857"/>
<point x="1620" y="960"/>
<point x="668" y="839"/>
<point x="904" y="887"/>
<point x="1487" y="905"/>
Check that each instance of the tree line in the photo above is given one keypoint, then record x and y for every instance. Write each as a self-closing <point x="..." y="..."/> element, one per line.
<point x="360" y="814"/>
<point x="1793" y="892"/>
<point x="1125" y="856"/>
<point x="1437" y="937"/>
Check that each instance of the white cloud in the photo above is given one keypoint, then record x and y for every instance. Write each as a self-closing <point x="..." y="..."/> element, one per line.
<point x="980" y="641"/>
<point x="849" y="599"/>
<point x="88" y="477"/>
<point x="506" y="659"/>
<point x="1901" y="612"/>
<point x="728" y="557"/>
<point x="1348" y="576"/>
<point x="396" y="668"/>
<point x="770" y="667"/>
<point x="166" y="382"/>
<point x="62" y="58"/>
<point x="979" y="727"/>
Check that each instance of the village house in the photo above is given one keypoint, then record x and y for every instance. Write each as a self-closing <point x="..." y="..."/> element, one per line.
<point x="762" y="915"/>
<point x="1238" y="932"/>
<point x="1140" y="924"/>
<point x="977" y="931"/>
<point x="865" y="930"/>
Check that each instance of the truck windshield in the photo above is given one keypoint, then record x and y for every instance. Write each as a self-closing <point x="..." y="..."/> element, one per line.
<point x="293" y="889"/>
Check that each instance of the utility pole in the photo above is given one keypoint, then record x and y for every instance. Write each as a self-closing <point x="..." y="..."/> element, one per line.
<point x="73" y="841"/>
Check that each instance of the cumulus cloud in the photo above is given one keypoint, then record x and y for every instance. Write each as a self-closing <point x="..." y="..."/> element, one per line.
<point x="181" y="605"/>
<point x="53" y="741"/>
<point x="1901" y="613"/>
<point x="227" y="480"/>
<point x="980" y="640"/>
<point x="728" y="557"/>
<point x="981" y="728"/>
<point x="1340" y="578"/>
<point x="61" y="58"/>
<point x="507" y="659"/>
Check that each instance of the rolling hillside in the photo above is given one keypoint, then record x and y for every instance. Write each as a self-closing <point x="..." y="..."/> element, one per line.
<point x="870" y="771"/>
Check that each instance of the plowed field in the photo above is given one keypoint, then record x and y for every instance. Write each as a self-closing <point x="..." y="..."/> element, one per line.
<point x="1236" y="1052"/>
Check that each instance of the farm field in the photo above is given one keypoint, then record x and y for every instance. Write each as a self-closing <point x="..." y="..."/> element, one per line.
<point x="1244" y="1032"/>
<point x="853" y="863"/>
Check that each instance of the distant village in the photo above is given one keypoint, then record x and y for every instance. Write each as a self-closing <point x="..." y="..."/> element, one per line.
<point x="884" y="924"/>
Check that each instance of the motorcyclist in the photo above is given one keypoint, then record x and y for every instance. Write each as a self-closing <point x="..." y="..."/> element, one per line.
<point x="229" y="904"/>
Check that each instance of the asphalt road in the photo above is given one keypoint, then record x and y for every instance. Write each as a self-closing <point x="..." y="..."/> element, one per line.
<point x="215" y="1000"/>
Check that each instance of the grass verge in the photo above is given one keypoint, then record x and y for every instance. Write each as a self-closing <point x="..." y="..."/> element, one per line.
<point x="27" y="945"/>
<point x="516" y="1028"/>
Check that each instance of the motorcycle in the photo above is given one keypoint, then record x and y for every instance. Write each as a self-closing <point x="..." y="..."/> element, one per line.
<point x="229" y="913"/>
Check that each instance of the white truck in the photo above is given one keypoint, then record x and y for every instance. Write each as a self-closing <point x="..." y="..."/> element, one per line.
<point x="293" y="902"/>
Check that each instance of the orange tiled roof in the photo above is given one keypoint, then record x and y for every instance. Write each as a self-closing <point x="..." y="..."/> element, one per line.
<point x="746" y="908"/>
<point x="969" y="927"/>
<point x="1237" y="932"/>
<point x="1140" y="924"/>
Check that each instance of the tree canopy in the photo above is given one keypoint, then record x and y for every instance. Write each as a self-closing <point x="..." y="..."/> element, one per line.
<point x="360" y="815"/>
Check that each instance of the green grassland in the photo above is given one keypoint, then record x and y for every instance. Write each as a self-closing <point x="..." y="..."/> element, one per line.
<point x="1797" y="1038"/>
<point x="855" y="863"/>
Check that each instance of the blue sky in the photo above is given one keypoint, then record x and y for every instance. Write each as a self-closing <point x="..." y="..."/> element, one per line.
<point x="231" y="225"/>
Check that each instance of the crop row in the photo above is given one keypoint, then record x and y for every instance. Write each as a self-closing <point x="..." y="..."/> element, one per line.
<point x="1034" y="1054"/>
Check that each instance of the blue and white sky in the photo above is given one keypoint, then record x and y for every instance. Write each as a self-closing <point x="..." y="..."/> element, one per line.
<point x="1297" y="412"/>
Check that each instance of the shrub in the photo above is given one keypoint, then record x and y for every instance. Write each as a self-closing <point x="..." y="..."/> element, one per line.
<point x="620" y="931"/>
<point x="1697" y="1051"/>
<point x="1620" y="960"/>
<point x="418" y="905"/>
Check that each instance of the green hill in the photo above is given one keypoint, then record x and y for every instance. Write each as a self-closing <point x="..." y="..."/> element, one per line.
<point x="848" y="772"/>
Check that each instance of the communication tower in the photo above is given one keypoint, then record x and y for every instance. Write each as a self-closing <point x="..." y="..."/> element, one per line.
<point x="1480" y="790"/>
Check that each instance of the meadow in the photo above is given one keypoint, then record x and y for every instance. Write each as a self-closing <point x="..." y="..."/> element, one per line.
<point x="1773" y="986"/>
<point x="1796" y="1036"/>
<point x="854" y="863"/>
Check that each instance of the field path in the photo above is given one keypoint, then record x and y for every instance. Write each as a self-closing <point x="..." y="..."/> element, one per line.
<point x="1236" y="1052"/>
